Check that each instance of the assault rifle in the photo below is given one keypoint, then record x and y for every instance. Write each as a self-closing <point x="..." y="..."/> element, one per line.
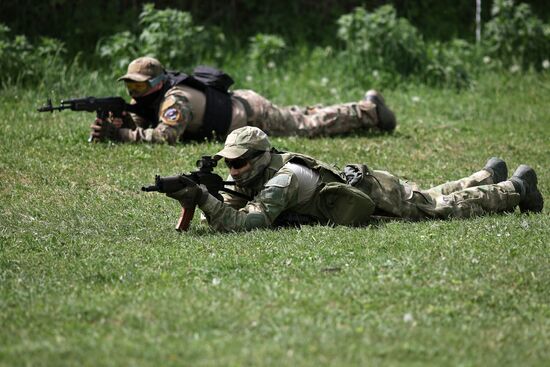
<point x="102" y="107"/>
<point x="203" y="176"/>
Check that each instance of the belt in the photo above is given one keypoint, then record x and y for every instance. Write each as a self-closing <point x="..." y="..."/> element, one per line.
<point x="247" y="108"/>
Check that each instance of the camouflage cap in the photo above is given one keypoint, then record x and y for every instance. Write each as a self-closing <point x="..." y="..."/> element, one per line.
<point x="243" y="140"/>
<point x="142" y="69"/>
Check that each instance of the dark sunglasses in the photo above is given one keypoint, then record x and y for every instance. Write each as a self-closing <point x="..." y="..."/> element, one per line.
<point x="240" y="162"/>
<point x="236" y="163"/>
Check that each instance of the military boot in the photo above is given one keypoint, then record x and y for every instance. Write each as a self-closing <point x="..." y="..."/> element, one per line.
<point x="497" y="168"/>
<point x="386" y="118"/>
<point x="525" y="183"/>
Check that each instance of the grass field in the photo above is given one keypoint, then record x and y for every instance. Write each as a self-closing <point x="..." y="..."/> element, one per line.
<point x="92" y="272"/>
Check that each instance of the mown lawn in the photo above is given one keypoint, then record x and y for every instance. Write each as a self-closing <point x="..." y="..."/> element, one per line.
<point x="92" y="272"/>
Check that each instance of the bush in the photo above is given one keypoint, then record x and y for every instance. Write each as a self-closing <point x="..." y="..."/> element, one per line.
<point x="380" y="40"/>
<point x="515" y="36"/>
<point x="387" y="48"/>
<point x="169" y="35"/>
<point x="22" y="62"/>
<point x="448" y="64"/>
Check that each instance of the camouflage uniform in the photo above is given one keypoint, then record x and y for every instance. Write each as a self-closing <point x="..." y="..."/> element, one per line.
<point x="183" y="108"/>
<point x="471" y="196"/>
<point x="179" y="111"/>
<point x="277" y="191"/>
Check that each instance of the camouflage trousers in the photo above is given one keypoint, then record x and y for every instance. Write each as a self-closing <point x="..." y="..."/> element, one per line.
<point x="308" y="121"/>
<point x="468" y="197"/>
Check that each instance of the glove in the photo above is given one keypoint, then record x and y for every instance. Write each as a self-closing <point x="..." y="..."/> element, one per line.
<point x="104" y="130"/>
<point x="191" y="195"/>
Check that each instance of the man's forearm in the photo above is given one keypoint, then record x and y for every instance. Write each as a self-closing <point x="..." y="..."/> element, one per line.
<point x="223" y="217"/>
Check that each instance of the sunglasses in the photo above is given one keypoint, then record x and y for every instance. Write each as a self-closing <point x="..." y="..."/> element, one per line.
<point x="142" y="87"/>
<point x="239" y="163"/>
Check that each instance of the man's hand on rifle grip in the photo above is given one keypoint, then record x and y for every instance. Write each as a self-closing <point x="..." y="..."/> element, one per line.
<point x="104" y="130"/>
<point x="191" y="195"/>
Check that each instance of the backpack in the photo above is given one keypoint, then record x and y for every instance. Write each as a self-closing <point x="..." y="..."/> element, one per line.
<point x="213" y="77"/>
<point x="203" y="77"/>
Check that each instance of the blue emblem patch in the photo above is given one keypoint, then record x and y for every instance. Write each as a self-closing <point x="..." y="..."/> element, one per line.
<point x="171" y="114"/>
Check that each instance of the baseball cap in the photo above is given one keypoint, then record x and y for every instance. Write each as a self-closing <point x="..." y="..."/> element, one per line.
<point x="143" y="69"/>
<point x="242" y="140"/>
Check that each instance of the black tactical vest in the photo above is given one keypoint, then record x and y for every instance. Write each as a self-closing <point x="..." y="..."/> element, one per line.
<point x="214" y="84"/>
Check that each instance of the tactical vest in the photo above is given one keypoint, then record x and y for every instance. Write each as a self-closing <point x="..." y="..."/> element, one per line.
<point x="218" y="110"/>
<point x="335" y="201"/>
<point x="327" y="173"/>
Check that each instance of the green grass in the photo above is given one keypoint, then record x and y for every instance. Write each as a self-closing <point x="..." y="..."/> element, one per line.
<point x="92" y="272"/>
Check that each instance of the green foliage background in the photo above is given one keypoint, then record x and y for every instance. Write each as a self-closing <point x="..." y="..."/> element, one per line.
<point x="81" y="23"/>
<point x="378" y="45"/>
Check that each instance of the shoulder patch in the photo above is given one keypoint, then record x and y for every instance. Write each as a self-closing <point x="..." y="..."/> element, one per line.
<point x="281" y="180"/>
<point x="171" y="116"/>
<point x="172" y="110"/>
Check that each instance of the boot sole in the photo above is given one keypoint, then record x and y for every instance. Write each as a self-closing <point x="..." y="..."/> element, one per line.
<point x="534" y="203"/>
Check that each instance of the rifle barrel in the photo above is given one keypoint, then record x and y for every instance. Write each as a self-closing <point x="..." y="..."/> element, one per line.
<point x="150" y="188"/>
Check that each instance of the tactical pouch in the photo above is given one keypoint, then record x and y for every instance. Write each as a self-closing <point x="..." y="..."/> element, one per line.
<point x="389" y="193"/>
<point x="344" y="204"/>
<point x="356" y="175"/>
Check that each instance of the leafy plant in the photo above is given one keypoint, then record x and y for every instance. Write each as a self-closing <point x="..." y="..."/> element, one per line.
<point x="516" y="36"/>
<point x="169" y="35"/>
